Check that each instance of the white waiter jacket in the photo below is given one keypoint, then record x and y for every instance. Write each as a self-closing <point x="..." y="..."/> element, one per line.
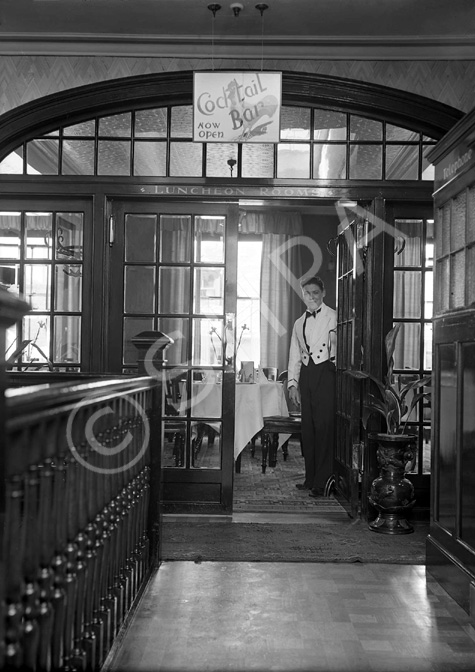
<point x="320" y="333"/>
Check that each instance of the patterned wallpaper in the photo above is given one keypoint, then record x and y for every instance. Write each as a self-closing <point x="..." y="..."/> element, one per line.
<point x="25" y="78"/>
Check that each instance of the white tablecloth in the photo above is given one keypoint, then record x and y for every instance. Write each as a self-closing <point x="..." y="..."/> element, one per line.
<point x="253" y="402"/>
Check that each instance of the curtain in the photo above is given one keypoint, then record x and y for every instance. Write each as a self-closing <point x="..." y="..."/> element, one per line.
<point x="407" y="302"/>
<point x="281" y="270"/>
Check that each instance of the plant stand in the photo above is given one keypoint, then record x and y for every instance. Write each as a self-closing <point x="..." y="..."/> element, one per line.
<point x="392" y="494"/>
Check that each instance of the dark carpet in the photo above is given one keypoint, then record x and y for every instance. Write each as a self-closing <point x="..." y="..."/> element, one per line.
<point x="350" y="541"/>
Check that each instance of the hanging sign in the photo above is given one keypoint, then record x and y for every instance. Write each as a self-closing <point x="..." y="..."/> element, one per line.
<point x="237" y="106"/>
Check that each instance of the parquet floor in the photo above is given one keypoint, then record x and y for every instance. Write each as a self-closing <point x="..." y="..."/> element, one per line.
<point x="292" y="617"/>
<point x="244" y="617"/>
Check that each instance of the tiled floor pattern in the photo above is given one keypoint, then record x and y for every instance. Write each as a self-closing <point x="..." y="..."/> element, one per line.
<point x="275" y="491"/>
<point x="243" y="617"/>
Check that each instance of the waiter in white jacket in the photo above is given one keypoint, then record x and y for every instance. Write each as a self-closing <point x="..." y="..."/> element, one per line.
<point x="311" y="384"/>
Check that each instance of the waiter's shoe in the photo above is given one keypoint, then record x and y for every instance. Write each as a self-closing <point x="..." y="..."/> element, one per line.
<point x="316" y="492"/>
<point x="302" y="486"/>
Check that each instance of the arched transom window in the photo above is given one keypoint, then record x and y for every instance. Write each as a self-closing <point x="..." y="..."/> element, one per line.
<point x="157" y="142"/>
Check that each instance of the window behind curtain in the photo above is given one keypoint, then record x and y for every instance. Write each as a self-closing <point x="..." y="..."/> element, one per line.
<point x="248" y="301"/>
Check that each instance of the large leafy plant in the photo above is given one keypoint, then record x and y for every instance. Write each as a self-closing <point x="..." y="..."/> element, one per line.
<point x="390" y="402"/>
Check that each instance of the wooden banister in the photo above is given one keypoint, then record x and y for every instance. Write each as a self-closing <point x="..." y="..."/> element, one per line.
<point x="81" y="512"/>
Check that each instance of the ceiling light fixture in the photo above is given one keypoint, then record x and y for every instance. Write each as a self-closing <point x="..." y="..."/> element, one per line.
<point x="261" y="7"/>
<point x="237" y="8"/>
<point x="214" y="7"/>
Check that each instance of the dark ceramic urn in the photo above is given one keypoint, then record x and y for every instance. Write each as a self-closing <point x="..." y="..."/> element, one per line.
<point x="392" y="494"/>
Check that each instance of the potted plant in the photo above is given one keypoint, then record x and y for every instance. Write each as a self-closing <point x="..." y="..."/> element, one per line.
<point x="392" y="494"/>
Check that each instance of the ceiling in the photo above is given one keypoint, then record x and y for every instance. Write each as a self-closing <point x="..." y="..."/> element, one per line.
<point x="296" y="29"/>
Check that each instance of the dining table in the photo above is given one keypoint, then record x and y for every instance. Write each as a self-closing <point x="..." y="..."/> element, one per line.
<point x="253" y="402"/>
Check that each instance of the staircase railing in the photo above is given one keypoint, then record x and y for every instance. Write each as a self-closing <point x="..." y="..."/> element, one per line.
<point x="80" y="516"/>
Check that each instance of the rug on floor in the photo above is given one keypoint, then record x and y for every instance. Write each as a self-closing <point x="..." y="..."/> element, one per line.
<point x="350" y="541"/>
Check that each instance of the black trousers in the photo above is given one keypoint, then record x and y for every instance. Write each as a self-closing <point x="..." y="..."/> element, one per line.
<point x="317" y="402"/>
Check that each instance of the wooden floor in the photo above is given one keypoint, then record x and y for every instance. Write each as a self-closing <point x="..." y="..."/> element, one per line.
<point x="295" y="617"/>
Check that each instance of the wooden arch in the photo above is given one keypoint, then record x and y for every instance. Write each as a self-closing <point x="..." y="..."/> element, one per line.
<point x="46" y="114"/>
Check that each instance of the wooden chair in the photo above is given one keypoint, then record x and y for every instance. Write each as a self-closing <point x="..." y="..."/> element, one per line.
<point x="279" y="424"/>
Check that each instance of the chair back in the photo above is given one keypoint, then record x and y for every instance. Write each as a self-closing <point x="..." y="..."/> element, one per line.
<point x="283" y="377"/>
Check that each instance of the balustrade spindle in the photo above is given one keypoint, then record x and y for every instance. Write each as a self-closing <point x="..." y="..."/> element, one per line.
<point x="45" y="572"/>
<point x="14" y="626"/>
<point x="78" y="526"/>
<point x="31" y="554"/>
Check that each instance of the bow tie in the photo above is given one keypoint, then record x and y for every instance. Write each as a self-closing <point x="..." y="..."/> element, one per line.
<point x="309" y="314"/>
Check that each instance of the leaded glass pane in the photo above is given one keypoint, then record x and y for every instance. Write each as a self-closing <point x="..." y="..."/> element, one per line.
<point x="42" y="157"/>
<point x="177" y="328"/>
<point x="37" y="286"/>
<point x="217" y="157"/>
<point x="446" y="223"/>
<point x="12" y="164"/>
<point x="182" y="122"/>
<point x="429" y="295"/>
<point x="186" y="159"/>
<point x="402" y="162"/>
<point x="329" y="161"/>
<point x="399" y="134"/>
<point x="407" y="348"/>
<point x="206" y="444"/>
<point x="174" y="289"/>
<point x="67" y="339"/>
<point x="329" y="125"/>
<point x="39" y="234"/>
<point x="36" y="329"/>
<point x="408" y="242"/>
<point x="150" y="159"/>
<point x="140" y="237"/>
<point x="132" y="327"/>
<point x="293" y="160"/>
<point x="430" y="243"/>
<point x="457" y="280"/>
<point x="457" y="224"/>
<point x="9" y="277"/>
<point x="427" y="364"/>
<point x="443" y="285"/>
<point x="207" y="342"/>
<point x="295" y="123"/>
<point x="114" y="157"/>
<point x="365" y="129"/>
<point x="78" y="157"/>
<point x="407" y="294"/>
<point x="117" y="125"/>
<point x="151" y="123"/>
<point x="366" y="162"/>
<point x="209" y="291"/>
<point x="10" y="230"/>
<point x="175" y="238"/>
<point x="257" y="160"/>
<point x="68" y="287"/>
<point x="84" y="128"/>
<point x="428" y="169"/>
<point x="69" y="235"/>
<point x="173" y="442"/>
<point x="139" y="289"/>
<point x="209" y="239"/>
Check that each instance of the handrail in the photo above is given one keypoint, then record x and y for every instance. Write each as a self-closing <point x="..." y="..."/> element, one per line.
<point x="82" y="469"/>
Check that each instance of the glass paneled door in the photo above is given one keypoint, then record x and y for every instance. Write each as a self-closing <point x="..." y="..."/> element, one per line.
<point x="173" y="269"/>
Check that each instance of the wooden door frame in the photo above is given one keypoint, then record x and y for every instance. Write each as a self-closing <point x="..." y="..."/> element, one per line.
<point x="217" y="481"/>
